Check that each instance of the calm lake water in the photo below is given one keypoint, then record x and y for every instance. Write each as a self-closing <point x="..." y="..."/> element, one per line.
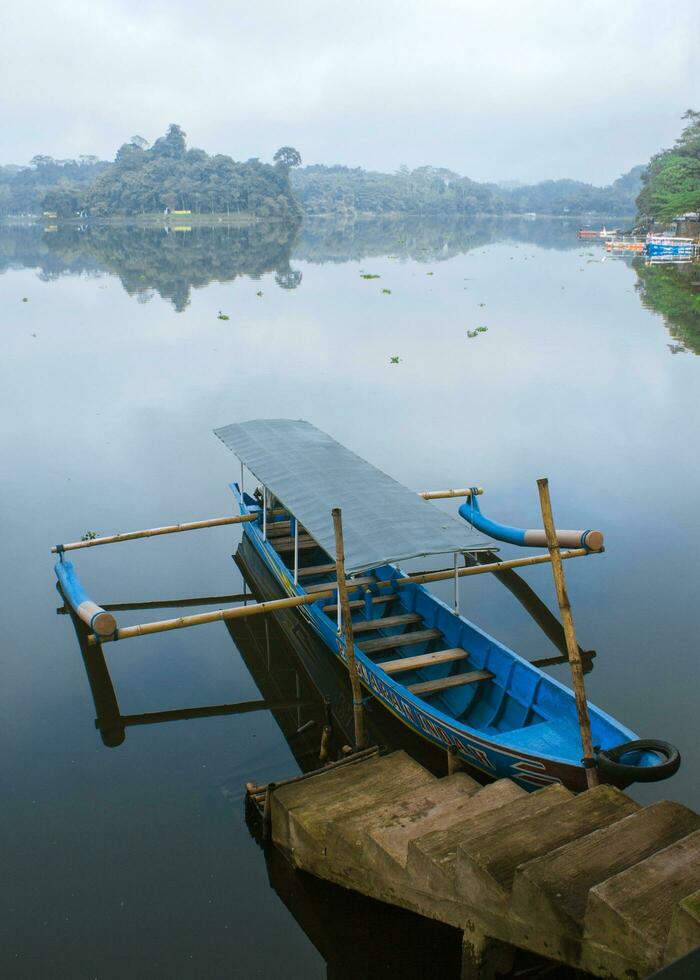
<point x="137" y="860"/>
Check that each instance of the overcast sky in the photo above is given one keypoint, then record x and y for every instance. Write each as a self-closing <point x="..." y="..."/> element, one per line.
<point x="506" y="89"/>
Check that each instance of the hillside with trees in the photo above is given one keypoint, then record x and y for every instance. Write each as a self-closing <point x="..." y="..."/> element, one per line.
<point x="435" y="191"/>
<point x="671" y="182"/>
<point x="147" y="179"/>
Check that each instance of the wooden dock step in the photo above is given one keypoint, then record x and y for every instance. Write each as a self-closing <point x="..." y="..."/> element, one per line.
<point x="375" y="843"/>
<point x="554" y="888"/>
<point x="400" y="640"/>
<point x="302" y="811"/>
<point x="632" y="911"/>
<point x="486" y="865"/>
<point x="424" y="660"/>
<point x="351" y="584"/>
<point x="386" y="622"/>
<point x="454" y="680"/>
<point x="332" y="608"/>
<point x="316" y="570"/>
<point x="431" y="858"/>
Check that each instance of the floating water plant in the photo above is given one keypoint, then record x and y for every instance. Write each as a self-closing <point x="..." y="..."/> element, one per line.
<point x="476" y="331"/>
<point x="369" y="275"/>
<point x="387" y="291"/>
<point x="430" y="273"/>
<point x="89" y="536"/>
<point x="394" y="360"/>
<point x="259" y="292"/>
<point x="25" y="299"/>
<point x="222" y="316"/>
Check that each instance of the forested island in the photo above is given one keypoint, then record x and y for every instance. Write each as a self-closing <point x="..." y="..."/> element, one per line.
<point x="170" y="178"/>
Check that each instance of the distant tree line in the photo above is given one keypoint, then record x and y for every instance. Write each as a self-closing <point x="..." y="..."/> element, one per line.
<point x="146" y="179"/>
<point x="671" y="182"/>
<point x="437" y="191"/>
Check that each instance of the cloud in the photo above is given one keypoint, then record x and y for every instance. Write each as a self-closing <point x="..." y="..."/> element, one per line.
<point x="524" y="90"/>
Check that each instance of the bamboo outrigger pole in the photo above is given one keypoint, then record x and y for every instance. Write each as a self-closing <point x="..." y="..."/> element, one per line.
<point x="442" y="494"/>
<point x="572" y="646"/>
<point x="348" y="637"/>
<point x="153" y="532"/>
<point x="271" y="606"/>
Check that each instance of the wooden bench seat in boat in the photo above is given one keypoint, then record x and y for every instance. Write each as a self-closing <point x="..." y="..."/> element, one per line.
<point x="350" y="584"/>
<point x="287" y="544"/>
<point x="332" y="608"/>
<point x="384" y="623"/>
<point x="316" y="570"/>
<point x="399" y="640"/>
<point x="423" y="660"/>
<point x="454" y="680"/>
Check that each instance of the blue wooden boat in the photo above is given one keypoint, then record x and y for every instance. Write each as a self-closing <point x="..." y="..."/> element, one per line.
<point x="437" y="672"/>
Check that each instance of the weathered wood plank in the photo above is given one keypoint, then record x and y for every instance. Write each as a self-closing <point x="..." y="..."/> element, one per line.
<point x="423" y="660"/>
<point x="454" y="680"/>
<point x="386" y="622"/>
<point x="332" y="609"/>
<point x="400" y="640"/>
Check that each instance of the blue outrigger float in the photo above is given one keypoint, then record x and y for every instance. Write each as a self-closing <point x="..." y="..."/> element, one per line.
<point x="449" y="681"/>
<point x="440" y="674"/>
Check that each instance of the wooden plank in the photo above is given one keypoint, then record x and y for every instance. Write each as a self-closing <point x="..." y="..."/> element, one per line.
<point x="455" y="680"/>
<point x="424" y="660"/>
<point x="352" y="583"/>
<point x="316" y="570"/>
<point x="332" y="609"/>
<point x="287" y="544"/>
<point x="400" y="640"/>
<point x="386" y="622"/>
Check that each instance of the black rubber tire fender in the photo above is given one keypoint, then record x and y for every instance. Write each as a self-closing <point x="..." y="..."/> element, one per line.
<point x="607" y="761"/>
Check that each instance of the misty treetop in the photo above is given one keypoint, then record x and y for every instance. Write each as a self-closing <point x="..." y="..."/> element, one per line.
<point x="671" y="183"/>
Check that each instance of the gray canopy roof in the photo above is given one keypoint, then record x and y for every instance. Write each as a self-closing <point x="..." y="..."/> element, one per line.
<point x="310" y="474"/>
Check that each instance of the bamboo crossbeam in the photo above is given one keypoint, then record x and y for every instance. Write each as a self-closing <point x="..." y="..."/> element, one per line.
<point x="497" y="566"/>
<point x="234" y="612"/>
<point x="442" y="494"/>
<point x="154" y="531"/>
<point x="256" y="609"/>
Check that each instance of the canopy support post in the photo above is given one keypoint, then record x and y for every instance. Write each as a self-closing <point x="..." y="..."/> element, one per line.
<point x="572" y="647"/>
<point x="348" y="638"/>
<point x="296" y="550"/>
<point x="456" y="585"/>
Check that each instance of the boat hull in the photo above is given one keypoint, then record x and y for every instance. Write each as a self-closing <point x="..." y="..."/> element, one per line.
<point x="491" y="759"/>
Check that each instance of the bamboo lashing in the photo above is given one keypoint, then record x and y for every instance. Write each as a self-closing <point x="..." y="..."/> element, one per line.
<point x="271" y="606"/>
<point x="348" y="637"/>
<point x="154" y="531"/>
<point x="442" y="494"/>
<point x="572" y="646"/>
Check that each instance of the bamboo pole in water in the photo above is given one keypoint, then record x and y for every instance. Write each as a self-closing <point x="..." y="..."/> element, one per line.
<point x="154" y="531"/>
<point x="441" y="494"/>
<point x="348" y="637"/>
<point x="258" y="608"/>
<point x="572" y="646"/>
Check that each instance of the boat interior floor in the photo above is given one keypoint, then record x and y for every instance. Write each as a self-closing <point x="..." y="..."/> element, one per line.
<point x="412" y="651"/>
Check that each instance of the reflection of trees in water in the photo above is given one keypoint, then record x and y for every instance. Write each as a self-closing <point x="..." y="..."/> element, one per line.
<point x="427" y="240"/>
<point x="674" y="292"/>
<point x="174" y="262"/>
<point x="157" y="260"/>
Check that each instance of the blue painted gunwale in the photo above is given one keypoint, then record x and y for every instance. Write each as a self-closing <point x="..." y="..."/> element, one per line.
<point x="493" y="756"/>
